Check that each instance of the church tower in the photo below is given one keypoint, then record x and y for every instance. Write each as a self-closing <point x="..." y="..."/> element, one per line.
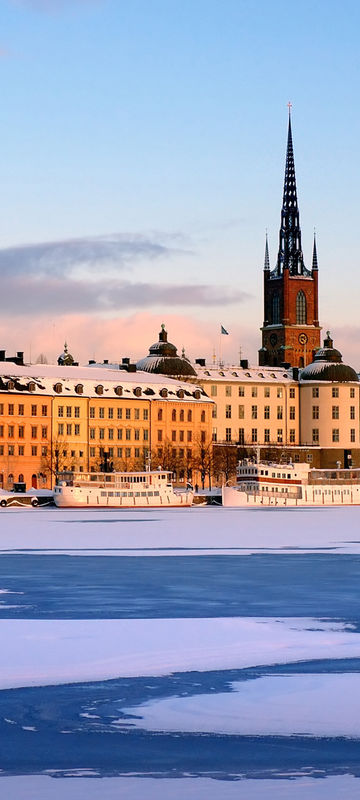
<point x="291" y="331"/>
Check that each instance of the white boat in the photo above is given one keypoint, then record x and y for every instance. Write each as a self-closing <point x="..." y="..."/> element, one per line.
<point x="269" y="484"/>
<point x="148" y="489"/>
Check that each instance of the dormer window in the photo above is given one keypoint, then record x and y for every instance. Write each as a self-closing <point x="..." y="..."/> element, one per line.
<point x="118" y="390"/>
<point x="180" y="393"/>
<point x="163" y="392"/>
<point x="79" y="388"/>
<point x="58" y="388"/>
<point x="197" y="394"/>
<point x="31" y="386"/>
<point x="99" y="389"/>
<point x="138" y="391"/>
<point x="248" y="374"/>
<point x="10" y="385"/>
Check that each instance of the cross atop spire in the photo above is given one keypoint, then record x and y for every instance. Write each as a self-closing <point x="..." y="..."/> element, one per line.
<point x="290" y="253"/>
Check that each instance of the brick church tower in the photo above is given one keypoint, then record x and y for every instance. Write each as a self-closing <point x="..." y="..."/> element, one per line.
<point x="291" y="331"/>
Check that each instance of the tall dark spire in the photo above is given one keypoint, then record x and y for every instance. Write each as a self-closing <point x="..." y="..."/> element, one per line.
<point x="314" y="258"/>
<point x="290" y="253"/>
<point x="266" y="259"/>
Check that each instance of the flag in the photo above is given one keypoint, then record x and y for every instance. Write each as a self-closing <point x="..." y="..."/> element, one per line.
<point x="225" y="332"/>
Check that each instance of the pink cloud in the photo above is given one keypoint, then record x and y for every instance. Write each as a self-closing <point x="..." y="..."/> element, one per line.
<point x="91" y="337"/>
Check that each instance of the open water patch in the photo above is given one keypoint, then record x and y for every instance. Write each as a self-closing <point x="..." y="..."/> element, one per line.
<point x="88" y="587"/>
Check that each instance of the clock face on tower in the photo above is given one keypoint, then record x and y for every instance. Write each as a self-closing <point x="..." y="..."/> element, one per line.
<point x="273" y="339"/>
<point x="303" y="338"/>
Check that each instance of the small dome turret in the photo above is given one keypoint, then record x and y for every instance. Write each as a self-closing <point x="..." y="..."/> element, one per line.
<point x="65" y="359"/>
<point x="164" y="360"/>
<point x="328" y="365"/>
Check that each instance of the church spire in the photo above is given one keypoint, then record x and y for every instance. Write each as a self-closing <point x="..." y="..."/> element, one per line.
<point x="290" y="253"/>
<point x="266" y="259"/>
<point x="314" y="258"/>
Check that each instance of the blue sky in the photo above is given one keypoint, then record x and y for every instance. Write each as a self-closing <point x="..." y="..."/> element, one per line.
<point x="142" y="159"/>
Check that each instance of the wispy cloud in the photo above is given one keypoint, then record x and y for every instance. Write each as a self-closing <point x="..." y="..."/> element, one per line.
<point x="63" y="257"/>
<point x="53" y="295"/>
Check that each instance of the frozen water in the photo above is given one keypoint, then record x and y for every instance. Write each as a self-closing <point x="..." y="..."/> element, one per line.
<point x="121" y="673"/>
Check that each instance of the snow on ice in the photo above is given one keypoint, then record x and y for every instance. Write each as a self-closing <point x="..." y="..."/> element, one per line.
<point x="46" y="652"/>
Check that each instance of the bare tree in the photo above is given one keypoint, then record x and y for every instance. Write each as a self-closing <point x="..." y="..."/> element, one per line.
<point x="225" y="460"/>
<point x="203" y="460"/>
<point x="57" y="458"/>
<point x="41" y="359"/>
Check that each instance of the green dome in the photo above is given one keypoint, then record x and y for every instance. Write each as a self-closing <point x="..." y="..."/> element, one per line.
<point x="164" y="360"/>
<point x="328" y="366"/>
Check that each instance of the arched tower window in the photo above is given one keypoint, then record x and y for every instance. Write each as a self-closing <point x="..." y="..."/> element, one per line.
<point x="275" y="309"/>
<point x="300" y="308"/>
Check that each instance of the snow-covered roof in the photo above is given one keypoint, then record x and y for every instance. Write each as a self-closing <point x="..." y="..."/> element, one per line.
<point x="46" y="377"/>
<point x="250" y="374"/>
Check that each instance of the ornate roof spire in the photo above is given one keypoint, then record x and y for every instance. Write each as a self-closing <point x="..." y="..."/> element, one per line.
<point x="266" y="259"/>
<point x="290" y="253"/>
<point x="314" y="258"/>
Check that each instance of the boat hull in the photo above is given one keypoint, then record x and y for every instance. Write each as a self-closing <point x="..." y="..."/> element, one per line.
<point x="73" y="497"/>
<point x="327" y="496"/>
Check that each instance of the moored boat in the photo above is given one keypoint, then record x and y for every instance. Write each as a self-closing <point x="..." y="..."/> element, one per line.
<point x="270" y="484"/>
<point x="151" y="488"/>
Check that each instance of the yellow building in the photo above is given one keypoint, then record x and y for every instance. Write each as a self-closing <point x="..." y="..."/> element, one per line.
<point x="54" y="418"/>
<point x="252" y="405"/>
<point x="329" y="409"/>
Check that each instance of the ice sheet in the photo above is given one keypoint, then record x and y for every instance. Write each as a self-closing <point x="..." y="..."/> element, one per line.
<point x="317" y="705"/>
<point x="35" y="787"/>
<point x="44" y="652"/>
<point x="195" y="531"/>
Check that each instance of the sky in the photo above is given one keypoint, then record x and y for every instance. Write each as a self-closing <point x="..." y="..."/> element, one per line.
<point x="142" y="153"/>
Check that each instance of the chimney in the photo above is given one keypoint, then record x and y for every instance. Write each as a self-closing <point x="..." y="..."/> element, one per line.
<point x="2" y="355"/>
<point x="20" y="357"/>
<point x="125" y="360"/>
<point x="106" y="360"/>
<point x="201" y="362"/>
<point x="92" y="361"/>
<point x="244" y="363"/>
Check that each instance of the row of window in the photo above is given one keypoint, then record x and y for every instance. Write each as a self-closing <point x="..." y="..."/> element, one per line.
<point x="334" y="391"/>
<point x="335" y="412"/>
<point x="180" y="414"/>
<point x="21" y="410"/>
<point x="119" y="413"/>
<point x="117" y="433"/>
<point x="20" y="450"/>
<point x="253" y="390"/>
<point x="335" y="435"/>
<point x="229" y="437"/>
<point x="254" y="412"/>
<point x="20" y="434"/>
<point x="189" y="436"/>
